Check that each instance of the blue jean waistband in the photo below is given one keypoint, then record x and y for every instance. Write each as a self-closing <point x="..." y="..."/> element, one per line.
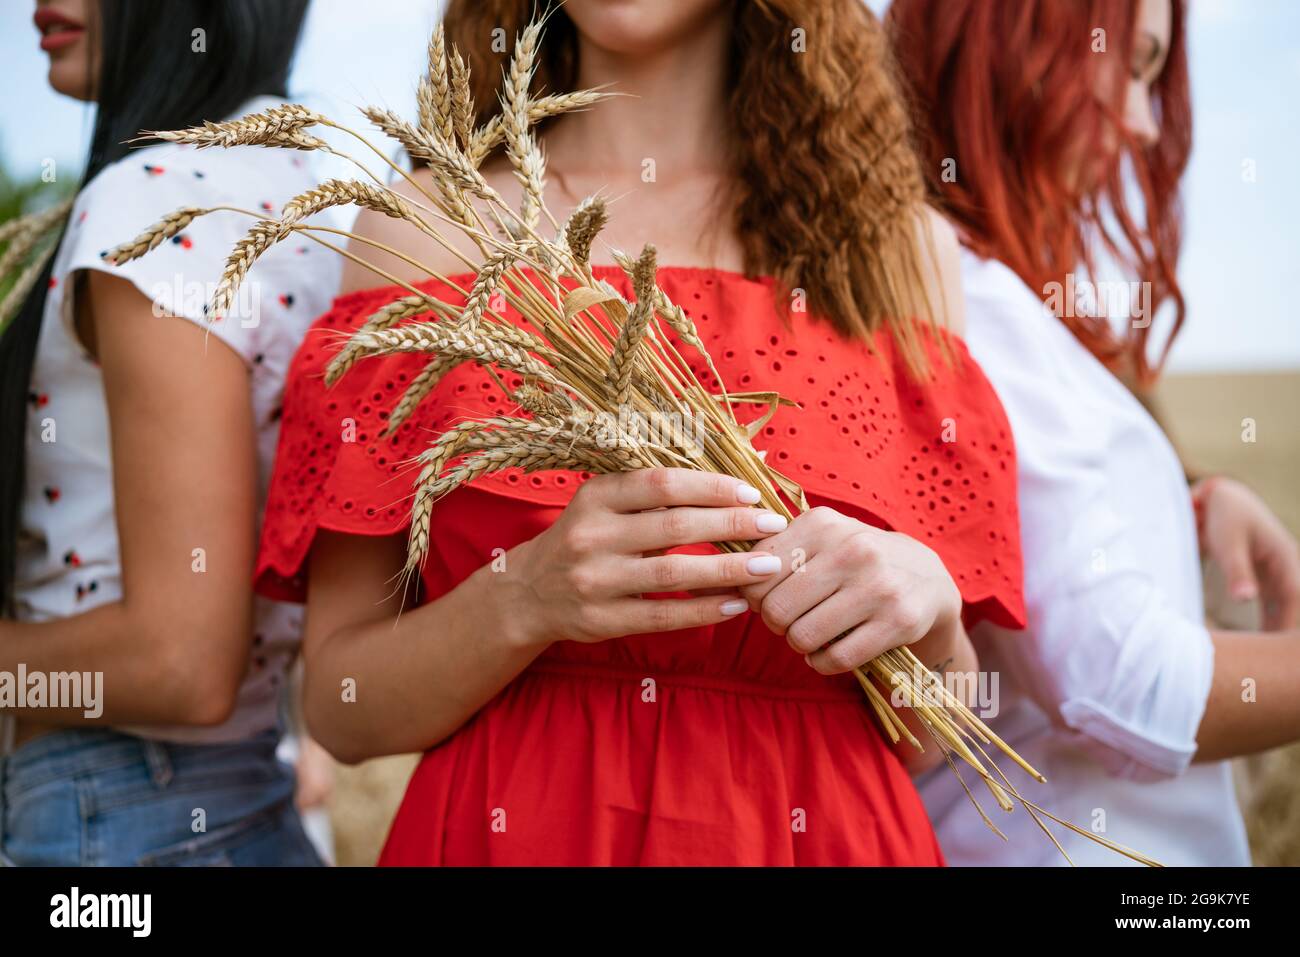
<point x="77" y="751"/>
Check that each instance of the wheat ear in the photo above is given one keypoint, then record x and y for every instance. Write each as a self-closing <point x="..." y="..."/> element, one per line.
<point x="623" y="357"/>
<point x="264" y="234"/>
<point x="462" y="101"/>
<point x="521" y="146"/>
<point x="158" y="233"/>
<point x="448" y="161"/>
<point x="394" y="312"/>
<point x="492" y="133"/>
<point x="344" y="192"/>
<point x="278" y="126"/>
<point x="448" y="339"/>
<point x="433" y="95"/>
<point x="582" y="227"/>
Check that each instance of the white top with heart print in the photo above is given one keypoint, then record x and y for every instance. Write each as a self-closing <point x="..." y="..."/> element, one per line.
<point x="68" y="555"/>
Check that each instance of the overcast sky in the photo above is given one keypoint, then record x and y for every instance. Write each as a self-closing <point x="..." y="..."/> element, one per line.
<point x="1239" y="260"/>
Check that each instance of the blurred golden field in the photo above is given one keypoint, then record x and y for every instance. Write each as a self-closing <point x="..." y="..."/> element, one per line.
<point x="1204" y="413"/>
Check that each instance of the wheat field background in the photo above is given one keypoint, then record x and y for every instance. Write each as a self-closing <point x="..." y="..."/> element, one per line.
<point x="1204" y="414"/>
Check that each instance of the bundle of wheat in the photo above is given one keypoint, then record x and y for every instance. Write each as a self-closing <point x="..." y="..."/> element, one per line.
<point x="605" y="387"/>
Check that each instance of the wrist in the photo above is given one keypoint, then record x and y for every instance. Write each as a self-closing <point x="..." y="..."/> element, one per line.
<point x="942" y="645"/>
<point x="504" y="599"/>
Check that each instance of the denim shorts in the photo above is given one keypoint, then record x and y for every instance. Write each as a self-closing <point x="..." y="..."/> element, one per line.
<point x="94" y="796"/>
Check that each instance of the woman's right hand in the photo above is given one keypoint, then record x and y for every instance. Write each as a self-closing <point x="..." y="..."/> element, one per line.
<point x="582" y="578"/>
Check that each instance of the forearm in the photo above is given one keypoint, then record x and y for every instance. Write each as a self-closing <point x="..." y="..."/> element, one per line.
<point x="1254" y="701"/>
<point x="136" y="670"/>
<point x="397" y="686"/>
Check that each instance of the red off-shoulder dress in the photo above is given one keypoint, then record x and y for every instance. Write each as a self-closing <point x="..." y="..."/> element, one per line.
<point x="716" y="745"/>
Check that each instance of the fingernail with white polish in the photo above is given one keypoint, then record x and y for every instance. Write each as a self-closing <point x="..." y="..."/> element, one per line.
<point x="770" y="522"/>
<point x="747" y="494"/>
<point x="763" y="565"/>
<point x="734" y="607"/>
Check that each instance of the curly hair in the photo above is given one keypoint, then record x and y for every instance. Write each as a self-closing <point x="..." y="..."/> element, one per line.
<point x="827" y="193"/>
<point x="1006" y="92"/>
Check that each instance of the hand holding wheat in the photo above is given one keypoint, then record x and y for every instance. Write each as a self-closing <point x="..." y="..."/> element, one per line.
<point x="605" y="388"/>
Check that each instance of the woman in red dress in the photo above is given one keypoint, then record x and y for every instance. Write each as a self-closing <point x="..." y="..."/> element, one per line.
<point x="590" y="681"/>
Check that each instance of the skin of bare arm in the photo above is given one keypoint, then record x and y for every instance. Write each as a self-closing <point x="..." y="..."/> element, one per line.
<point x="1236" y="723"/>
<point x="174" y="649"/>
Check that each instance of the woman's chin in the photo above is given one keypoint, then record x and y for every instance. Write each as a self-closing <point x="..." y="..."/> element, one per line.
<point x="70" y="77"/>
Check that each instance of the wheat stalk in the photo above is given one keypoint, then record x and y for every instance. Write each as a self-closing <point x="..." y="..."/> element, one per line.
<point x="393" y="312"/>
<point x="279" y="126"/>
<point x="30" y="242"/>
<point x="597" y="368"/>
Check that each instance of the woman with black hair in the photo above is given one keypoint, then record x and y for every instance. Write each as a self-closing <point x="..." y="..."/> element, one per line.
<point x="142" y="677"/>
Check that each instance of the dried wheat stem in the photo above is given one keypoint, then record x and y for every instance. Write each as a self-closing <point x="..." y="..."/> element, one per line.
<point x="415" y="184"/>
<point x="26" y="233"/>
<point x="22" y="285"/>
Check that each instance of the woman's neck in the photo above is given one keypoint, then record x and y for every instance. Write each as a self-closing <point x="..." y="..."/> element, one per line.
<point x="670" y="108"/>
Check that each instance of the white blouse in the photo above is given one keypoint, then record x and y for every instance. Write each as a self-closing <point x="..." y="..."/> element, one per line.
<point x="68" y="556"/>
<point x="1105" y="690"/>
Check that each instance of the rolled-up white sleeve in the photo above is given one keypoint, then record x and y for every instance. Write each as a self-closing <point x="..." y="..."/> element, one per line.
<point x="1108" y="654"/>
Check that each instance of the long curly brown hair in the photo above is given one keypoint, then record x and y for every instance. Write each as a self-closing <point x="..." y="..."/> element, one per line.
<point x="828" y="194"/>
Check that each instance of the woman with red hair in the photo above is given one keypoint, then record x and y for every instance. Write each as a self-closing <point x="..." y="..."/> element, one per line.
<point x="1039" y="122"/>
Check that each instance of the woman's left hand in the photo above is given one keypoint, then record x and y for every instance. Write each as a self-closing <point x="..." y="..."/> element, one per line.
<point x="840" y="575"/>
<point x="1258" y="556"/>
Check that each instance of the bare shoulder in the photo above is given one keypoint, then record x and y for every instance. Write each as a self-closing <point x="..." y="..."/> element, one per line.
<point x="401" y="250"/>
<point x="941" y="261"/>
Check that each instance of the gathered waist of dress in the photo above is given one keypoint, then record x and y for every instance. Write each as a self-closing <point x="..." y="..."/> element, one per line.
<point x="825" y="689"/>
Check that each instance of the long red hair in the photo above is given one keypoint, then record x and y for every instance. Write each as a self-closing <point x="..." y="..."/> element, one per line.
<point x="1006" y="91"/>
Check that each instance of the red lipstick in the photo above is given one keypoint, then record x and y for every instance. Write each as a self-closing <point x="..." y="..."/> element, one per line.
<point x="57" y="30"/>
